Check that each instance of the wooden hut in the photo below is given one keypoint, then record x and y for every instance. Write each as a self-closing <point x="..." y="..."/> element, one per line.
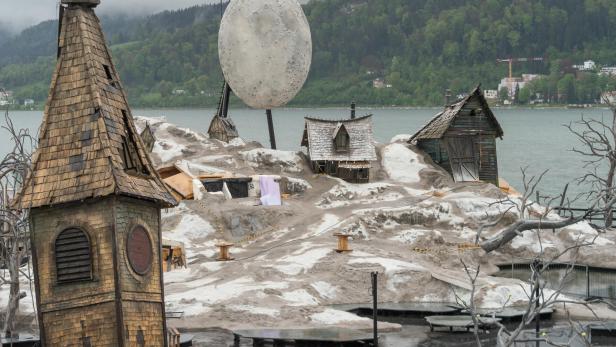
<point x="222" y="127"/>
<point x="147" y="136"/>
<point x="95" y="203"/>
<point x="462" y="139"/>
<point x="340" y="148"/>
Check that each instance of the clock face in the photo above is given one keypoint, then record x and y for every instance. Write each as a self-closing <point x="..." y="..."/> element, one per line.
<point x="139" y="250"/>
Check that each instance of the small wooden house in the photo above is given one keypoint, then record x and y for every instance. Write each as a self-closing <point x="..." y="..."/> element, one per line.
<point x="340" y="148"/>
<point x="147" y="136"/>
<point x="462" y="139"/>
<point x="222" y="127"/>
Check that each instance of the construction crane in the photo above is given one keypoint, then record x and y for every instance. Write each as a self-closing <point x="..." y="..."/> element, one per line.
<point x="516" y="60"/>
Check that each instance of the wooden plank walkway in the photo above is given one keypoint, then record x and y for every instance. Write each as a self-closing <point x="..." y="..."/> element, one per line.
<point x="305" y="337"/>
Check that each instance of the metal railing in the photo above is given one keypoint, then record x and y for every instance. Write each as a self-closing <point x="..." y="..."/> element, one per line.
<point x="580" y="280"/>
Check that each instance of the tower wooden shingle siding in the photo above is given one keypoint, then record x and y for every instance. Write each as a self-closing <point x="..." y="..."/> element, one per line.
<point x="462" y="139"/>
<point x="340" y="148"/>
<point x="95" y="202"/>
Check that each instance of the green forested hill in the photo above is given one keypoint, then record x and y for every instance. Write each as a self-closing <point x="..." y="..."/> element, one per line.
<point x="420" y="47"/>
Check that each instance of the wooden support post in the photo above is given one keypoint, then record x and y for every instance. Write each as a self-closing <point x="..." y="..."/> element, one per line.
<point x="223" y="254"/>
<point x="270" y="127"/>
<point x="343" y="243"/>
<point x="375" y="328"/>
<point x="353" y="110"/>
<point x="562" y="199"/>
<point x="587" y="283"/>
<point x="225" y="104"/>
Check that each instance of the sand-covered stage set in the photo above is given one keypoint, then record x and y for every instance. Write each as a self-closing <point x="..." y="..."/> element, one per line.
<point x="412" y="224"/>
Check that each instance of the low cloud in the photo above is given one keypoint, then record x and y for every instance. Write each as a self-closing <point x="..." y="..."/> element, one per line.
<point x="16" y="15"/>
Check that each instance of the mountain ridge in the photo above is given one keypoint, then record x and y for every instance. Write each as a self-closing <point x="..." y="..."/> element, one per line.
<point x="418" y="47"/>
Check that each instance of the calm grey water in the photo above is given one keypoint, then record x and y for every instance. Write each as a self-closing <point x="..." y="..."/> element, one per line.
<point x="533" y="137"/>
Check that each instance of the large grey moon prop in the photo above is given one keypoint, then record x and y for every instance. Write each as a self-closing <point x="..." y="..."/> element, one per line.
<point x="265" y="50"/>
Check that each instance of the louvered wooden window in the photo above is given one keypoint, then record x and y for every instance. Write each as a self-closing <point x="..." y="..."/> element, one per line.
<point x="73" y="256"/>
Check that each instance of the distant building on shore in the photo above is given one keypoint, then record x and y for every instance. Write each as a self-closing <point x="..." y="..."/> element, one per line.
<point x="608" y="71"/>
<point x="462" y="139"/>
<point x="588" y="65"/>
<point x="6" y="98"/>
<point x="491" y="94"/>
<point x="379" y="83"/>
<point x="516" y="82"/>
<point x="341" y="148"/>
<point x="28" y="102"/>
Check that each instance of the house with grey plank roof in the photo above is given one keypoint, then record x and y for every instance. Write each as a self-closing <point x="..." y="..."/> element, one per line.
<point x="462" y="139"/>
<point x="340" y="148"/>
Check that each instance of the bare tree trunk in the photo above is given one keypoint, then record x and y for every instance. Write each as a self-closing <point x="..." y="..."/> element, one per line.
<point x="520" y="226"/>
<point x="608" y="195"/>
<point x="610" y="176"/>
<point x="14" y="227"/>
<point x="13" y="262"/>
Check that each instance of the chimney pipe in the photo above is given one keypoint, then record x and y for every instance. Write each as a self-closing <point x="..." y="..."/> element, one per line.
<point x="353" y="110"/>
<point x="447" y="97"/>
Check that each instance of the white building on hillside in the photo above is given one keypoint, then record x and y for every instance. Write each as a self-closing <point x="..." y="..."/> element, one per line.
<point x="608" y="71"/>
<point x="490" y="94"/>
<point x="587" y="66"/>
<point x="6" y="98"/>
<point x="512" y="83"/>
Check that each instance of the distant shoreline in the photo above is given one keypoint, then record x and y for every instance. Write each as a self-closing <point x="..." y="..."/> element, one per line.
<point x="341" y="107"/>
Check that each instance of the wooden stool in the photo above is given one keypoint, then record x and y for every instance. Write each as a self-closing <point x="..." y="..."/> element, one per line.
<point x="343" y="243"/>
<point x="223" y="254"/>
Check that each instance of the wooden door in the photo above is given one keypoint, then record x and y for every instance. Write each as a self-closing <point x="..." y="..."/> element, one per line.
<point x="463" y="158"/>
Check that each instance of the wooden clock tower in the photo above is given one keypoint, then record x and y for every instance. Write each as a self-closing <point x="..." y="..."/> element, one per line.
<point x="95" y="201"/>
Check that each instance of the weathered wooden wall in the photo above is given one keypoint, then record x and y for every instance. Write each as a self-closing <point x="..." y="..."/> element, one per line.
<point x="332" y="168"/>
<point x="142" y="298"/>
<point x="437" y="151"/>
<point x="64" y="306"/>
<point x="480" y="127"/>
<point x="95" y="309"/>
<point x="471" y="122"/>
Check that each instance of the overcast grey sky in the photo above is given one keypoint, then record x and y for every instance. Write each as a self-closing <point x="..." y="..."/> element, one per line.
<point x="16" y="15"/>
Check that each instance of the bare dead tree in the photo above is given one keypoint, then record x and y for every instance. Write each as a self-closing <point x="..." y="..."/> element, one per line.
<point x="541" y="295"/>
<point x="14" y="226"/>
<point x="470" y="306"/>
<point x="598" y="147"/>
<point x="544" y="295"/>
<point x="539" y="218"/>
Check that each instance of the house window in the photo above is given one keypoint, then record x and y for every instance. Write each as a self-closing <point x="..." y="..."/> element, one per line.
<point x="130" y="156"/>
<point x="342" y="139"/>
<point x="73" y="256"/>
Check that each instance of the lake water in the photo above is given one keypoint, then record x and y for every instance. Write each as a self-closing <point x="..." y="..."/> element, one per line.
<point x="533" y="137"/>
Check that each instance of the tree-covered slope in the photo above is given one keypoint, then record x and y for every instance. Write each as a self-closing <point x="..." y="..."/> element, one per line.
<point x="420" y="47"/>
